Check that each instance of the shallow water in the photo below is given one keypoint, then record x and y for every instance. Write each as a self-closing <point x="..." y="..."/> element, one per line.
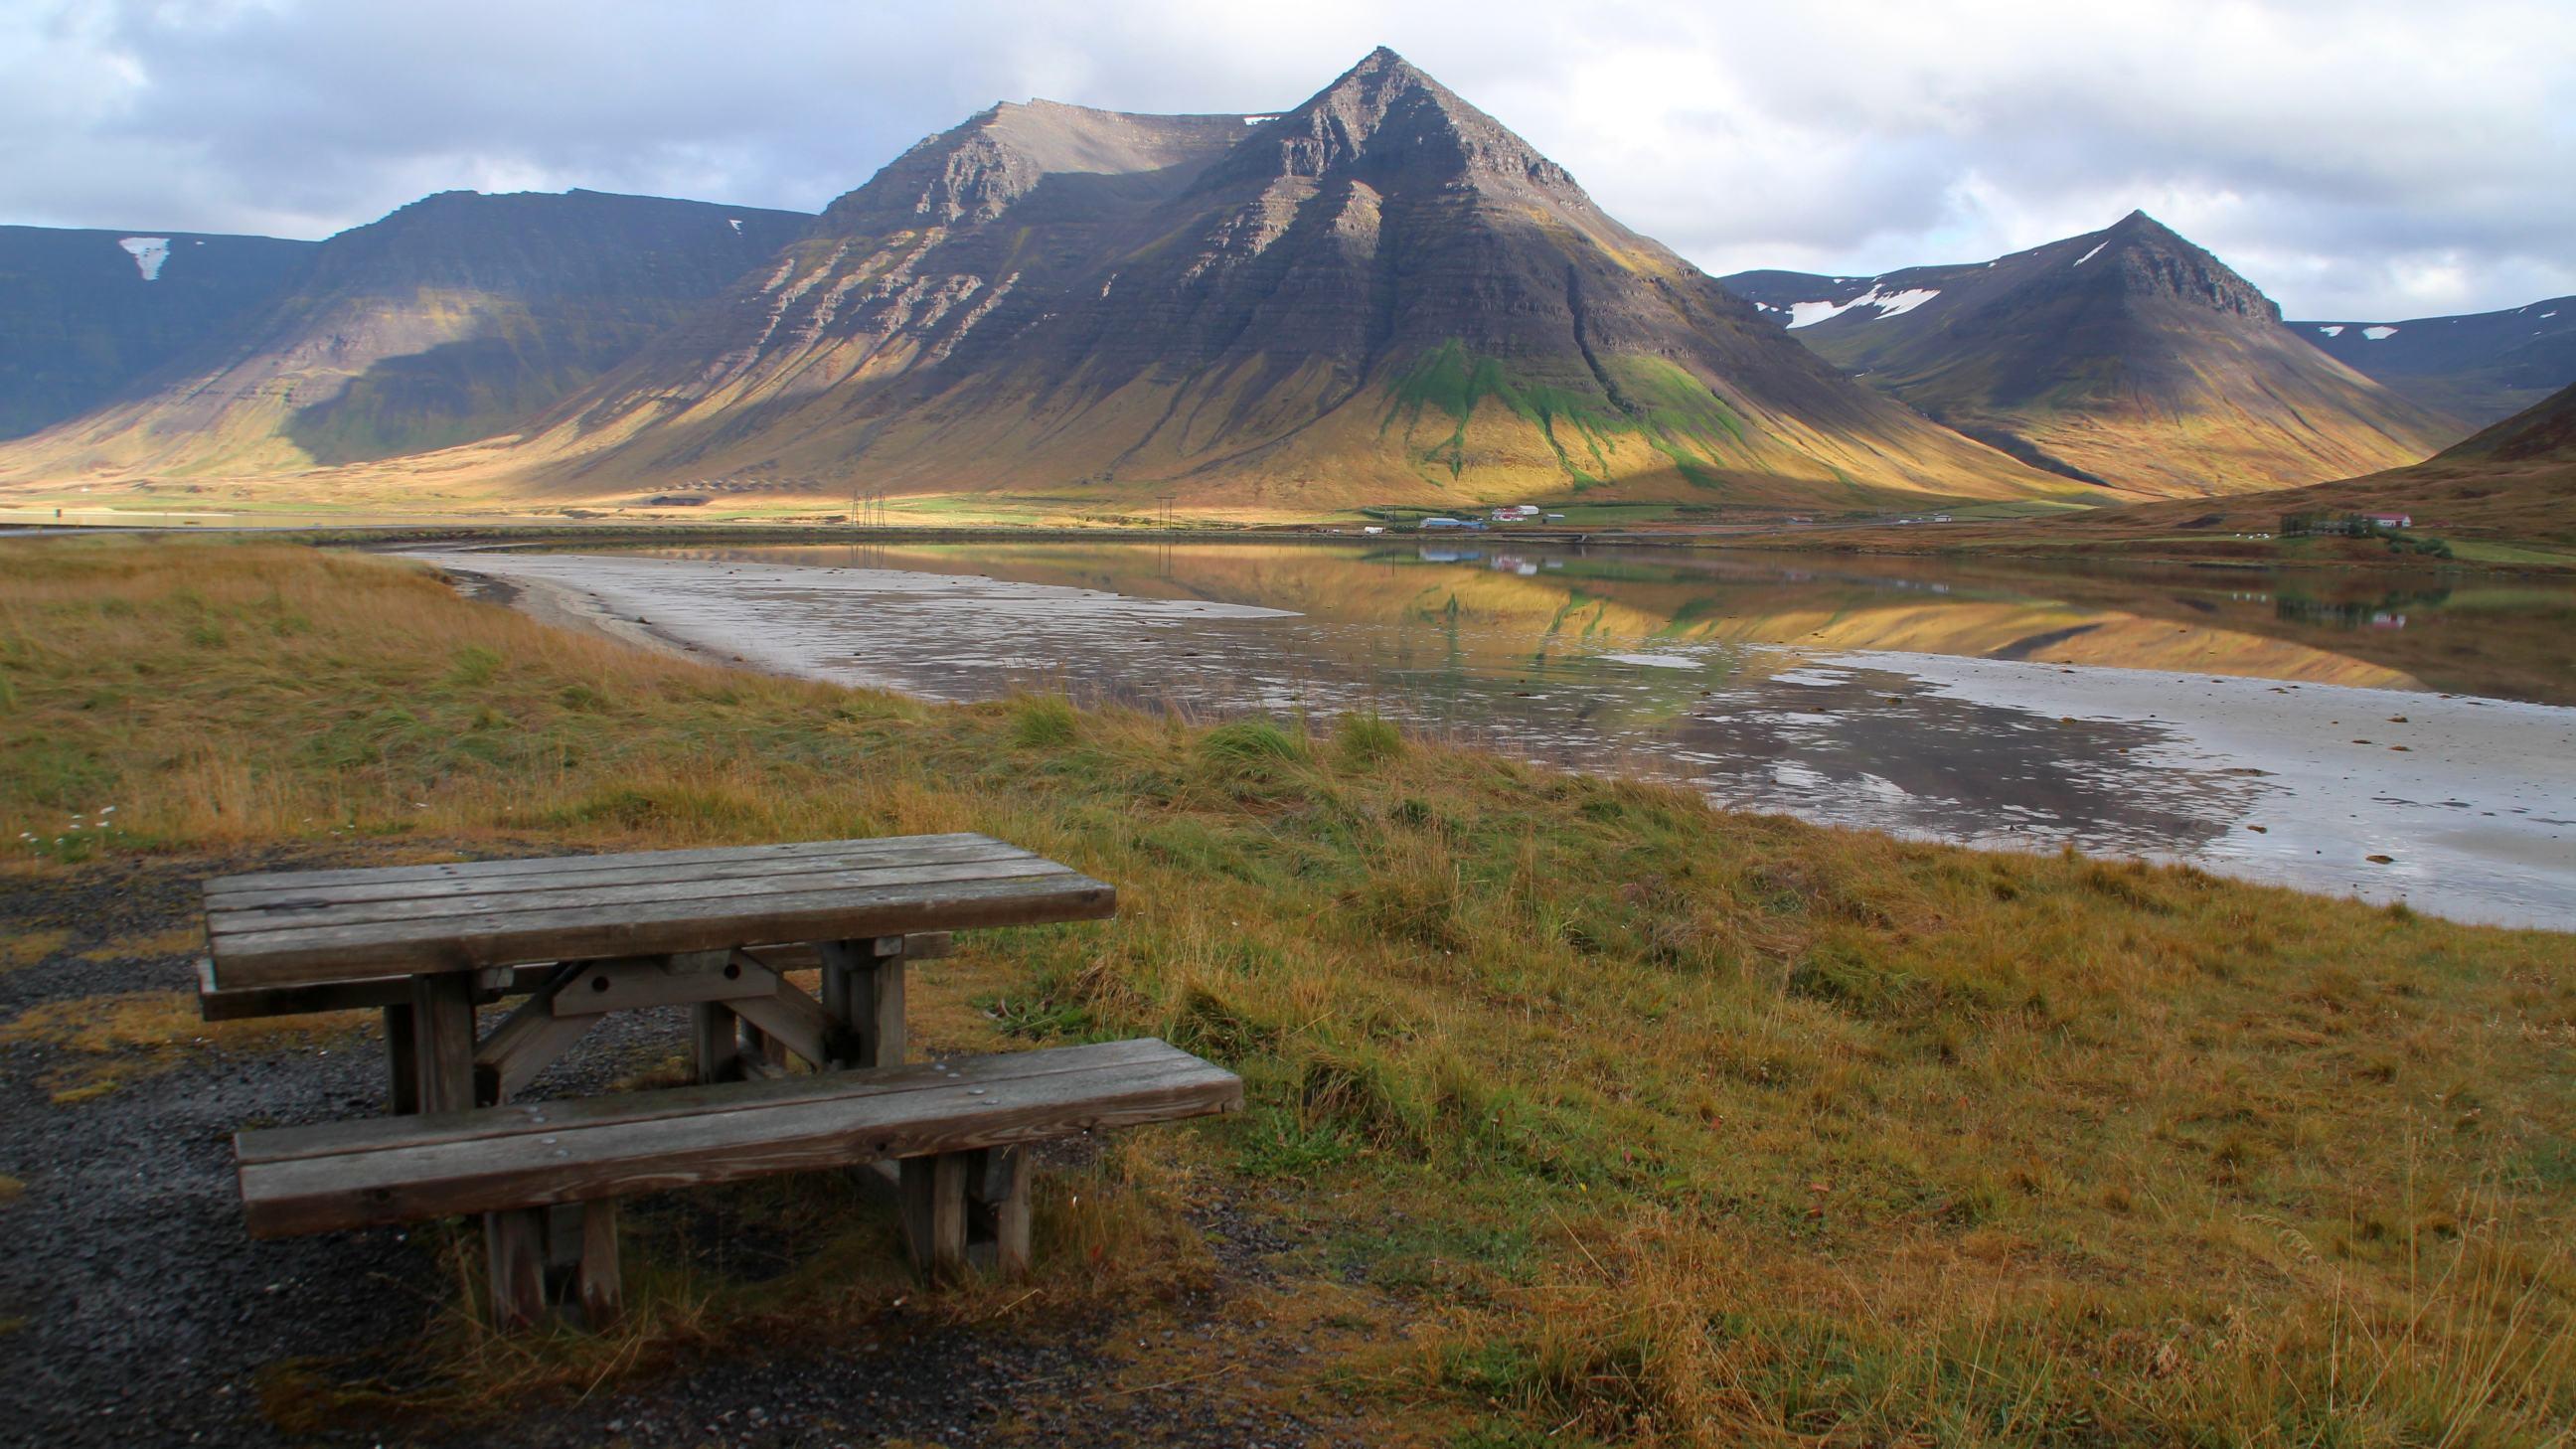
<point x="2261" y="725"/>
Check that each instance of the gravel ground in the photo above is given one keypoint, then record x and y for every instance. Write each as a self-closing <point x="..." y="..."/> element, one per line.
<point x="134" y="1310"/>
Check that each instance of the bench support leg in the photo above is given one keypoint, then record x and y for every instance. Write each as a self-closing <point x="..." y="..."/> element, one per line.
<point x="934" y="1213"/>
<point x="596" y="1283"/>
<point x="967" y="1207"/>
<point x="514" y="1252"/>
<point x="997" y="1210"/>
<point x="719" y="1042"/>
<point x="442" y="1008"/>
<point x="402" y="1062"/>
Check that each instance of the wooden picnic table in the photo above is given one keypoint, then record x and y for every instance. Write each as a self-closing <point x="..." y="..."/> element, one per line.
<point x="715" y="930"/>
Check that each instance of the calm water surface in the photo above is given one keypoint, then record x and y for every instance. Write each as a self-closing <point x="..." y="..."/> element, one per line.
<point x="2278" y="726"/>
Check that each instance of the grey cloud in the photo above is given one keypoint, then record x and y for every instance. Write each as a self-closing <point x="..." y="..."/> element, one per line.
<point x="2359" y="158"/>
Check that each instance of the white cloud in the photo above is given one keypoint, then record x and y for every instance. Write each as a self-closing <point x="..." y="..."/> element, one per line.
<point x="2355" y="157"/>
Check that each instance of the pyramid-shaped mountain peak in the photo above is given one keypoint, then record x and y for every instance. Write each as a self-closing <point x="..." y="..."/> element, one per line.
<point x="2145" y="258"/>
<point x="1387" y="115"/>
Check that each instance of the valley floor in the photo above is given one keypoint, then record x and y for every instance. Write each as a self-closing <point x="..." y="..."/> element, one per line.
<point x="1580" y="1111"/>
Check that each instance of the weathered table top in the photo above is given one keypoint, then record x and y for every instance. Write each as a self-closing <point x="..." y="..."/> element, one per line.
<point x="308" y="926"/>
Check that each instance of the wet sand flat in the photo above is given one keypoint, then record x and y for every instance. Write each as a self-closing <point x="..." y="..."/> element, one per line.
<point x="2287" y="778"/>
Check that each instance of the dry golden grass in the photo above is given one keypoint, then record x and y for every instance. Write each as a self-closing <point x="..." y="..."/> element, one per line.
<point x="26" y="948"/>
<point x="151" y="946"/>
<point x="103" y="1042"/>
<point x="1674" y="1126"/>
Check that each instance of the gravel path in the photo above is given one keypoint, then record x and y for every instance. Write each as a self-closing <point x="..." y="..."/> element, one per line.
<point x="135" y="1311"/>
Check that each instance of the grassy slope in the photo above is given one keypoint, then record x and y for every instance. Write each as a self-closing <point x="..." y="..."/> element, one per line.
<point x="1669" y="1124"/>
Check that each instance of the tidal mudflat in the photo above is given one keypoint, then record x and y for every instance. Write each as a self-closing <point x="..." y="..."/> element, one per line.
<point x="2411" y="742"/>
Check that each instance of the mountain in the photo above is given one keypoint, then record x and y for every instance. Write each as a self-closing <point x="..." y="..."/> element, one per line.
<point x="456" y="317"/>
<point x="1380" y="294"/>
<point x="2127" y="356"/>
<point x="84" y="314"/>
<point x="2483" y="367"/>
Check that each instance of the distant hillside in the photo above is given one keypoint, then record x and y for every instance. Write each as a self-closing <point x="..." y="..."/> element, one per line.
<point x="454" y="318"/>
<point x="2128" y="357"/>
<point x="2483" y="367"/>
<point x="84" y="315"/>
<point x="2516" y="481"/>
<point x="1379" y="294"/>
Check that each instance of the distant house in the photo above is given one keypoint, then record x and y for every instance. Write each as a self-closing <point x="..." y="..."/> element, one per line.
<point x="1514" y="513"/>
<point x="2342" y="525"/>
<point x="1442" y="525"/>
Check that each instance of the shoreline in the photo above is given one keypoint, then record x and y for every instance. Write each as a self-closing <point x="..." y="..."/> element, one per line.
<point x="1983" y="546"/>
<point x="2219" y="772"/>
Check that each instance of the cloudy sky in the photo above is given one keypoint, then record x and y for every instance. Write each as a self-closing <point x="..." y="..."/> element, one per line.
<point x="2356" y="159"/>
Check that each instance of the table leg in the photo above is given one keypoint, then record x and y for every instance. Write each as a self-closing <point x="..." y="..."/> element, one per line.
<point x="442" y="1009"/>
<point x="719" y="1041"/>
<point x="863" y="989"/>
<point x="402" y="1061"/>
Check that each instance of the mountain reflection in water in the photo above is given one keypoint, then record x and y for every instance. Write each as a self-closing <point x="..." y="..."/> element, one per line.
<point x="2180" y="713"/>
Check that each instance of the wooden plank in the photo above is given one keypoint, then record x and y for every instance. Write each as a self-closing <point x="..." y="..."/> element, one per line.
<point x="402" y="1058"/>
<point x="223" y="1003"/>
<point x="499" y="869"/>
<point x="514" y="1254"/>
<point x="527" y="1041"/>
<point x="934" y="1213"/>
<point x="365" y="1189"/>
<point x="280" y="958"/>
<point x="717" y="1039"/>
<point x="323" y="1139"/>
<point x="294" y="893"/>
<point x="646" y="981"/>
<point x="443" y="1037"/>
<point x="794" y="1021"/>
<point x="597" y="1284"/>
<point x="226" y="1003"/>
<point x="719" y="896"/>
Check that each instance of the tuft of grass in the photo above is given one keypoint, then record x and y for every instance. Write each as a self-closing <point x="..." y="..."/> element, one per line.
<point x="1042" y="722"/>
<point x="1250" y="745"/>
<point x="1364" y="737"/>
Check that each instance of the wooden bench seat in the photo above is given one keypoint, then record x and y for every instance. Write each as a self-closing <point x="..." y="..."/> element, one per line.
<point x="955" y="1126"/>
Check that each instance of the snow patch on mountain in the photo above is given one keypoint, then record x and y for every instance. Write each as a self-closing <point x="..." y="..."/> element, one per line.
<point x="149" y="252"/>
<point x="2334" y="331"/>
<point x="2088" y="256"/>
<point x="2379" y="334"/>
<point x="1889" y="304"/>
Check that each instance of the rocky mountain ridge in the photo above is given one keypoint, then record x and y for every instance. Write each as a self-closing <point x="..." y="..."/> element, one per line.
<point x="1378" y="294"/>
<point x="455" y="317"/>
<point x="2127" y="356"/>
